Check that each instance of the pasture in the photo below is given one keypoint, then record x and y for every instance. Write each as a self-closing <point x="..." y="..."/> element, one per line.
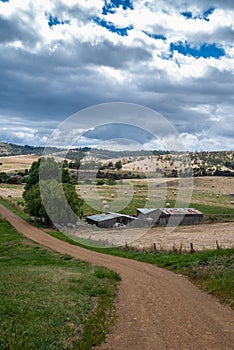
<point x="211" y="195"/>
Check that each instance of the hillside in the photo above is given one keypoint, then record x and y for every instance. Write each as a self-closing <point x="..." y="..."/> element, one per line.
<point x="10" y="149"/>
<point x="219" y="163"/>
<point x="203" y="164"/>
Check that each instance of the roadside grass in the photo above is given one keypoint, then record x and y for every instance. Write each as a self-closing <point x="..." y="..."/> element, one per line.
<point x="211" y="270"/>
<point x="15" y="209"/>
<point x="50" y="301"/>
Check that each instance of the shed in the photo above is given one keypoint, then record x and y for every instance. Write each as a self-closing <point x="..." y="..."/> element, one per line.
<point x="109" y="220"/>
<point x="123" y="218"/>
<point x="148" y="214"/>
<point x="179" y="216"/>
<point x="102" y="220"/>
<point x="171" y="216"/>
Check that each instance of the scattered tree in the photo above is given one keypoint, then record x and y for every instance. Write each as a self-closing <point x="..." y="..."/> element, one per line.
<point x="53" y="194"/>
<point x="118" y="165"/>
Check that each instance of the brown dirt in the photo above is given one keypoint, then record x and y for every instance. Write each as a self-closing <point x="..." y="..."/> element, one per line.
<point x="156" y="309"/>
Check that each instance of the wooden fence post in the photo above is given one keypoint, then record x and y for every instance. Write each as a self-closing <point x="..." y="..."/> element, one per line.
<point x="191" y="248"/>
<point x="181" y="245"/>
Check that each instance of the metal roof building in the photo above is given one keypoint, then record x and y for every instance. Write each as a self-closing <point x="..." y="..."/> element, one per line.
<point x="180" y="216"/>
<point x="109" y="220"/>
<point x="148" y="215"/>
<point x="170" y="216"/>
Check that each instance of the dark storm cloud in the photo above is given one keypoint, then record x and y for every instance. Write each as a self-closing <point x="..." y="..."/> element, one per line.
<point x="16" y="29"/>
<point x="60" y="82"/>
<point x="53" y="73"/>
<point x="107" y="54"/>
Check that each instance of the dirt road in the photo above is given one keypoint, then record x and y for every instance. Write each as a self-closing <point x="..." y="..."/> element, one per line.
<point x="157" y="309"/>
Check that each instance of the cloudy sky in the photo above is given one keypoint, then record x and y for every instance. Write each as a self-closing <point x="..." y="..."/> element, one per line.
<point x="175" y="57"/>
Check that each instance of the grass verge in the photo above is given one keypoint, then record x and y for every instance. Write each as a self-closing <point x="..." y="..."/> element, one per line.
<point x="50" y="301"/>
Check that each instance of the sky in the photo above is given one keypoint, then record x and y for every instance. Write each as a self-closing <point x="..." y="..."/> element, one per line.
<point x="174" y="57"/>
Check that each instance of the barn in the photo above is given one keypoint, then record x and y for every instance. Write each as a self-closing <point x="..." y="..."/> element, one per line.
<point x="179" y="216"/>
<point x="102" y="220"/>
<point x="148" y="215"/>
<point x="109" y="220"/>
<point x="171" y="216"/>
<point x="124" y="219"/>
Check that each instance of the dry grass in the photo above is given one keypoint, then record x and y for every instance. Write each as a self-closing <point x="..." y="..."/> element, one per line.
<point x="17" y="163"/>
<point x="203" y="236"/>
<point x="14" y="191"/>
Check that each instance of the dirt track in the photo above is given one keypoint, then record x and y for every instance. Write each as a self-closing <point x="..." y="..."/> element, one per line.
<point x="157" y="309"/>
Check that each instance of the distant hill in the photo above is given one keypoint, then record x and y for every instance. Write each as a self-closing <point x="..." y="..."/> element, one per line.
<point x="220" y="163"/>
<point x="203" y="163"/>
<point x="10" y="149"/>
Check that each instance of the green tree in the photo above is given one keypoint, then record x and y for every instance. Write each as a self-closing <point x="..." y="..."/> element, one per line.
<point x="33" y="202"/>
<point x="118" y="165"/>
<point x="48" y="168"/>
<point x="50" y="198"/>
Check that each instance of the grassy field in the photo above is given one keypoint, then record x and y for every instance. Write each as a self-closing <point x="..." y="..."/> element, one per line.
<point x="210" y="201"/>
<point x="211" y="270"/>
<point x="211" y="195"/>
<point x="50" y="301"/>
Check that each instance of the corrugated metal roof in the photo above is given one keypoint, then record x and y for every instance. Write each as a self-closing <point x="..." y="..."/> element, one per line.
<point x="122" y="215"/>
<point x="109" y="216"/>
<point x="101" y="217"/>
<point x="171" y="211"/>
<point x="146" y="211"/>
<point x="167" y="211"/>
<point x="181" y="211"/>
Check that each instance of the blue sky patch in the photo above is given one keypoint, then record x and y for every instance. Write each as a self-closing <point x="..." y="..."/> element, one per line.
<point x="156" y="36"/>
<point x="4" y="0"/>
<point x="205" y="15"/>
<point x="53" y="21"/>
<point x="110" y="6"/>
<point x="205" y="50"/>
<point x="187" y="14"/>
<point x="111" y="27"/>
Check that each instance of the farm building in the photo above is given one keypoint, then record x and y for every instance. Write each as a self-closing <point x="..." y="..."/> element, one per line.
<point x="181" y="216"/>
<point x="148" y="215"/>
<point x="171" y="216"/>
<point x="109" y="220"/>
<point x="124" y="219"/>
